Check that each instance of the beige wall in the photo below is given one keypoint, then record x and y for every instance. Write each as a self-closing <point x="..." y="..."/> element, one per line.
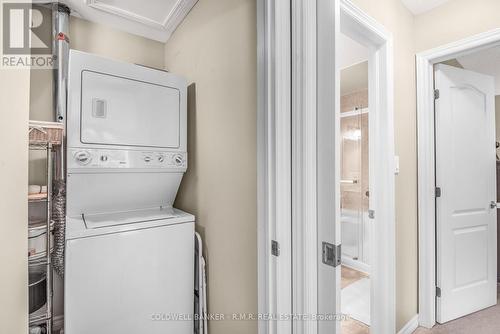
<point x="14" y="98"/>
<point x="99" y="39"/>
<point x="215" y="47"/>
<point x="398" y="20"/>
<point x="455" y="20"/>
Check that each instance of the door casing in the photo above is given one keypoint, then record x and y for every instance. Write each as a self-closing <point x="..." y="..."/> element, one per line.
<point x="425" y="62"/>
<point x="274" y="164"/>
<point x="359" y="26"/>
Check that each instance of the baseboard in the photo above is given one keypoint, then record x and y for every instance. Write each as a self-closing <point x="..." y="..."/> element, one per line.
<point x="410" y="326"/>
<point x="57" y="323"/>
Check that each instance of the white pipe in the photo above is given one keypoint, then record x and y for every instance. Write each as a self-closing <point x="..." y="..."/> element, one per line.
<point x="60" y="31"/>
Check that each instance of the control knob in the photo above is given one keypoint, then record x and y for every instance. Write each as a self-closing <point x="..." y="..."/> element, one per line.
<point x="178" y="160"/>
<point x="83" y="157"/>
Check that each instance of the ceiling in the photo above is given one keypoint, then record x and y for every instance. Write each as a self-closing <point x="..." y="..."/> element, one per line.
<point x="351" y="52"/>
<point x="354" y="79"/>
<point x="157" y="21"/>
<point x="485" y="61"/>
<point x="353" y="61"/>
<point x="422" y="6"/>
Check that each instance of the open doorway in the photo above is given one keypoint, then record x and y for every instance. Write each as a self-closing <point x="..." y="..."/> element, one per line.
<point x="466" y="168"/>
<point x="366" y="173"/>
<point x="301" y="141"/>
<point x="354" y="186"/>
<point x="458" y="233"/>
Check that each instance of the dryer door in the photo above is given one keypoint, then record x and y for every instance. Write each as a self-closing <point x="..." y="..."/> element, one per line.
<point x="127" y="112"/>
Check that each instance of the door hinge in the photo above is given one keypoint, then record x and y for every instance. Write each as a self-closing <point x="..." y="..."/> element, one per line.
<point x="436" y="94"/>
<point x="371" y="214"/>
<point x="275" y="248"/>
<point x="438" y="192"/>
<point x="331" y="254"/>
<point x="438" y="292"/>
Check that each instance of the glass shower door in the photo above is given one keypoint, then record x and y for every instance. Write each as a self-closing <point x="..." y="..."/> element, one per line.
<point x="354" y="184"/>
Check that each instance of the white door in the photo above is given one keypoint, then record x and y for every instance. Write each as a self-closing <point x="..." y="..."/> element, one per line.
<point x="465" y="210"/>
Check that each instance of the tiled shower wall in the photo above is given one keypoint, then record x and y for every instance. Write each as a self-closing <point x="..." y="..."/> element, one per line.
<point x="350" y="101"/>
<point x="355" y="154"/>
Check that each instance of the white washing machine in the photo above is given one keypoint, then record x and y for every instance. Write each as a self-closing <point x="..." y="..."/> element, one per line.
<point x="129" y="261"/>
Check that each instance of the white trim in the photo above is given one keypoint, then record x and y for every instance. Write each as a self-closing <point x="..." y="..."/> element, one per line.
<point x="328" y="155"/>
<point x="426" y="174"/>
<point x="114" y="10"/>
<point x="177" y="15"/>
<point x="263" y="298"/>
<point x="356" y="24"/>
<point x="274" y="163"/>
<point x="126" y="20"/>
<point x="304" y="219"/>
<point x="168" y="24"/>
<point x="410" y="326"/>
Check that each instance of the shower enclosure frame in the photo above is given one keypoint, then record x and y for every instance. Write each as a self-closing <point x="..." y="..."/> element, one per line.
<point x="360" y="218"/>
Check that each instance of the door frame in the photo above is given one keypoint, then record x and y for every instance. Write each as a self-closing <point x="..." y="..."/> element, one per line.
<point x="290" y="216"/>
<point x="364" y="29"/>
<point x="274" y="206"/>
<point x="314" y="136"/>
<point x="426" y="161"/>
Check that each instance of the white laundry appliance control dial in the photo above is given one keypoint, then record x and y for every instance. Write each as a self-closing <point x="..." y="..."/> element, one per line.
<point x="161" y="158"/>
<point x="83" y="157"/>
<point x="147" y="158"/>
<point x="178" y="160"/>
<point x="104" y="157"/>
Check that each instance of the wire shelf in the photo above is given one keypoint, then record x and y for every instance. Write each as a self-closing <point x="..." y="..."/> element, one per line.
<point x="42" y="133"/>
<point x="40" y="315"/>
<point x="43" y="136"/>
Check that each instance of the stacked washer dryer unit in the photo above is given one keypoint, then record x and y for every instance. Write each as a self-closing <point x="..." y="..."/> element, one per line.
<point x="129" y="263"/>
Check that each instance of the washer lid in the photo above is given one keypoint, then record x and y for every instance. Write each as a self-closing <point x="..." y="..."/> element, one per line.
<point x="77" y="228"/>
<point x="127" y="217"/>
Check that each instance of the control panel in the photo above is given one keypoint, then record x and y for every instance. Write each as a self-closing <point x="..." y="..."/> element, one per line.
<point x="98" y="158"/>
